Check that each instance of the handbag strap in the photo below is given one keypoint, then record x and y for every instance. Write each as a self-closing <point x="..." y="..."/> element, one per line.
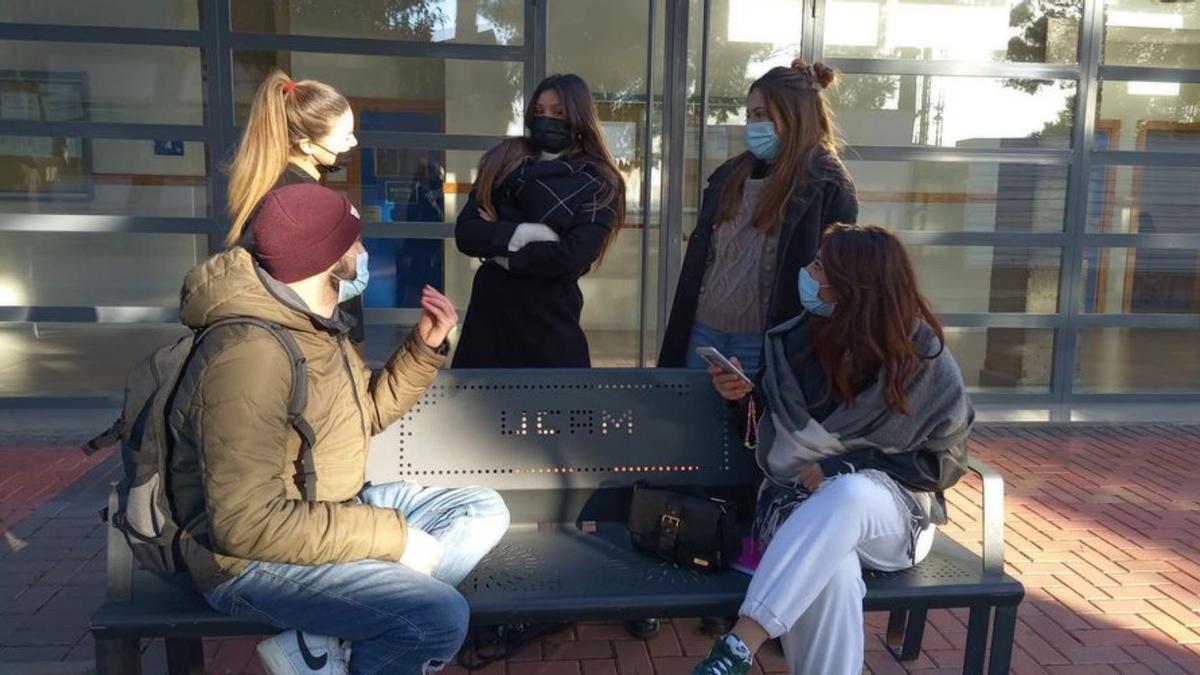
<point x="668" y="528"/>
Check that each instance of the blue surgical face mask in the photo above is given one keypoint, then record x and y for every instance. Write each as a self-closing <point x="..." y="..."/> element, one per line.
<point x="810" y="295"/>
<point x="355" y="287"/>
<point x="762" y="141"/>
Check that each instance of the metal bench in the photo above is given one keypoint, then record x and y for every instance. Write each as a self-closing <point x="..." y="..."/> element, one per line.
<point x="564" y="447"/>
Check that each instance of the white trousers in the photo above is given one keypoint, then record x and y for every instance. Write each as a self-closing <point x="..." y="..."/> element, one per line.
<point x="808" y="590"/>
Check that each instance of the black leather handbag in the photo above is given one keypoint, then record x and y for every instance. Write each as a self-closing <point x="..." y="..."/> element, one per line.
<point x="690" y="530"/>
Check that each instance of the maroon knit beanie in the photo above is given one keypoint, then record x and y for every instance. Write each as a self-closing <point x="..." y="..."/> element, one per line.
<point x="302" y="230"/>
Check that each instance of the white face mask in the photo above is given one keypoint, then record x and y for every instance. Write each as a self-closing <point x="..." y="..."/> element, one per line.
<point x="353" y="288"/>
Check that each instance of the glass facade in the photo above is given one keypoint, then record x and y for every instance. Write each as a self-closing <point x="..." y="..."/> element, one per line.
<point x="1041" y="160"/>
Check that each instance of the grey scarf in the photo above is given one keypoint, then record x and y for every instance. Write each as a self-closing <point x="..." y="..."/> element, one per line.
<point x="790" y="440"/>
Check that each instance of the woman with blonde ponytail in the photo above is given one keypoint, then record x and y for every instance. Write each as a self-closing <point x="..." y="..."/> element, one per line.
<point x="297" y="131"/>
<point x="761" y="218"/>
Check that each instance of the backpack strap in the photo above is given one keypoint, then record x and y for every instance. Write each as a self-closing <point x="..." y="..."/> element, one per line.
<point x="109" y="437"/>
<point x="297" y="399"/>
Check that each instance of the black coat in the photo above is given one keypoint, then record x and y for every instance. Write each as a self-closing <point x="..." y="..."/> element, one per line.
<point x="527" y="316"/>
<point x="828" y="198"/>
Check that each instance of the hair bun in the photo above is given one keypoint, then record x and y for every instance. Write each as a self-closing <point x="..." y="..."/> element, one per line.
<point x="825" y="75"/>
<point x="818" y="74"/>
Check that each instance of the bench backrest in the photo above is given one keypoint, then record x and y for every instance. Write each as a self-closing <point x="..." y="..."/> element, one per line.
<point x="565" y="445"/>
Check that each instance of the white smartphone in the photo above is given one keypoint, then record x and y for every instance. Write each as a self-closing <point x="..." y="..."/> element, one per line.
<point x="716" y="358"/>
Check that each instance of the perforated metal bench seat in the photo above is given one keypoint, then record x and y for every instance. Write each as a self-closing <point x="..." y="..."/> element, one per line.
<point x="564" y="447"/>
<point x="569" y="575"/>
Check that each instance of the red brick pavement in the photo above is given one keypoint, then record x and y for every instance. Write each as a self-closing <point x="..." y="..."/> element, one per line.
<point x="30" y="476"/>
<point x="1103" y="527"/>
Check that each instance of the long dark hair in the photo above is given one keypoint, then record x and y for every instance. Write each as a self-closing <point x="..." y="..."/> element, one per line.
<point x="878" y="305"/>
<point x="496" y="165"/>
<point x="796" y="104"/>
<point x="587" y="143"/>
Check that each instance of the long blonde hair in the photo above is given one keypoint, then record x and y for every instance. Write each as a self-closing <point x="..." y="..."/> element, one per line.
<point x="796" y="101"/>
<point x="283" y="114"/>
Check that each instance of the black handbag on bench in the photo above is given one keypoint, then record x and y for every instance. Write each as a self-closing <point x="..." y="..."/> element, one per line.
<point x="690" y="530"/>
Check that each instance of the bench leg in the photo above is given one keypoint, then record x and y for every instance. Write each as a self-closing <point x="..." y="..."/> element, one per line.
<point x="914" y="635"/>
<point x="897" y="622"/>
<point x="1003" y="633"/>
<point x="185" y="656"/>
<point x="905" y="633"/>
<point x="118" y="656"/>
<point x="977" y="633"/>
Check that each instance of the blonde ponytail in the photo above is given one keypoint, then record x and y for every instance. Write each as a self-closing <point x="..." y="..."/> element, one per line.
<point x="282" y="114"/>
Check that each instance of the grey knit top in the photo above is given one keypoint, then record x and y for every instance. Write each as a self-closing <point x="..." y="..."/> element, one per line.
<point x="741" y="269"/>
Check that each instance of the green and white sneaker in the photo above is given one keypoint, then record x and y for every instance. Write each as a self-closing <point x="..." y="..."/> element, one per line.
<point x="729" y="656"/>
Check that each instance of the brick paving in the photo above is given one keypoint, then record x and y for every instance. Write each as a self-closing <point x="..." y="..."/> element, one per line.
<point x="31" y="476"/>
<point x="1103" y="527"/>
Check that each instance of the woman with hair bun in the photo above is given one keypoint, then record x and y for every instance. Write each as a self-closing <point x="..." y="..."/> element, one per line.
<point x="761" y="218"/>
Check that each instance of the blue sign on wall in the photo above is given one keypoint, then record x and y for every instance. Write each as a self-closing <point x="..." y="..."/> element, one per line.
<point x="169" y="148"/>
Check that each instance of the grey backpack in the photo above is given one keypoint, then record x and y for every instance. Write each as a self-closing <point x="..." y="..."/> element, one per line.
<point x="144" y="514"/>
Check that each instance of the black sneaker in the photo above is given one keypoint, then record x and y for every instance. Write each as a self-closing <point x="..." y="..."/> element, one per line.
<point x="729" y="656"/>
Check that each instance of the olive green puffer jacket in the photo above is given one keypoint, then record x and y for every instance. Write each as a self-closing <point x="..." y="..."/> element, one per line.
<point x="235" y="478"/>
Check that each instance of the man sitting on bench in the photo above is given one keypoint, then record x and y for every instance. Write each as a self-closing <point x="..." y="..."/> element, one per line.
<point x="292" y="538"/>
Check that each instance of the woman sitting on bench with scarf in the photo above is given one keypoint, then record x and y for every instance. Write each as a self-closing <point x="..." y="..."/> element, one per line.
<point x="864" y="423"/>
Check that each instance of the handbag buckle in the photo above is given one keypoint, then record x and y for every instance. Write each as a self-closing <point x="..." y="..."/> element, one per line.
<point x="670" y="521"/>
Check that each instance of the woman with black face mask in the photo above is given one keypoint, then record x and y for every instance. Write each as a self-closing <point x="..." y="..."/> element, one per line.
<point x="296" y="133"/>
<point x="543" y="211"/>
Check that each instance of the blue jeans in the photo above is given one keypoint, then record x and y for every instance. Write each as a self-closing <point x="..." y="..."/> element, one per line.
<point x="747" y="347"/>
<point x="397" y="619"/>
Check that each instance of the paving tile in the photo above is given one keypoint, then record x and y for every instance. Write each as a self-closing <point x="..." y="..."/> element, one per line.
<point x="633" y="658"/>
<point x="1178" y="632"/>
<point x="544" y="668"/>
<point x="1090" y="669"/>
<point x="770" y="658"/>
<point x="1185" y="615"/>
<point x="577" y="649"/>
<point x="1124" y="606"/>
<point x="27" y="654"/>
<point x="674" y="665"/>
<point x="67" y="636"/>
<point x="1096" y="655"/>
<point x="1108" y="637"/>
<point x="605" y="631"/>
<point x="603" y="667"/>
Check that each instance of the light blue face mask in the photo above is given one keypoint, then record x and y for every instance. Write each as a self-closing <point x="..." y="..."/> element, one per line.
<point x="355" y="287"/>
<point x="762" y="141"/>
<point x="810" y="295"/>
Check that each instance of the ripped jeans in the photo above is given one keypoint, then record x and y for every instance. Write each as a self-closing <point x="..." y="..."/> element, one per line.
<point x="397" y="620"/>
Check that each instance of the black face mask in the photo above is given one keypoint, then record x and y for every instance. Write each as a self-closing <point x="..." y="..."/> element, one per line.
<point x="340" y="160"/>
<point x="550" y="135"/>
